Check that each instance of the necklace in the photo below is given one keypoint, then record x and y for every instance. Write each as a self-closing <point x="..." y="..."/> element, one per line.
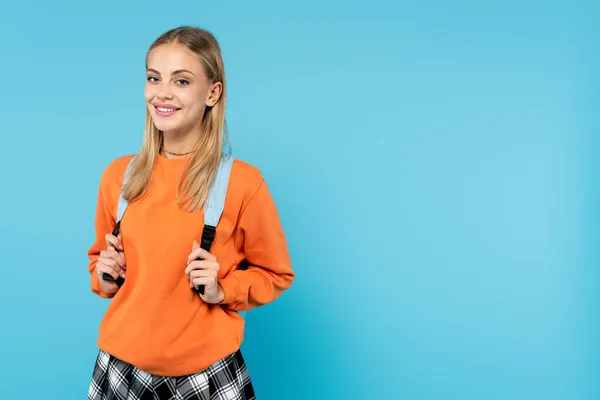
<point x="176" y="154"/>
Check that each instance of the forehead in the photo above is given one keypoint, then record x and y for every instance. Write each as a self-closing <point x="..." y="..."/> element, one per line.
<point x="171" y="57"/>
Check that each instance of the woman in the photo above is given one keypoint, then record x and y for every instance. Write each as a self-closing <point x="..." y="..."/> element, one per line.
<point x="173" y="328"/>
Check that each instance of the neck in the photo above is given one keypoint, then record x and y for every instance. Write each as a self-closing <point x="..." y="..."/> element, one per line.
<point x="178" y="143"/>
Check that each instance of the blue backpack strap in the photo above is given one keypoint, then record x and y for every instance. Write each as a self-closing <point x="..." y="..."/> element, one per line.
<point x="214" y="207"/>
<point x="216" y="202"/>
<point x="122" y="204"/>
<point x="121" y="207"/>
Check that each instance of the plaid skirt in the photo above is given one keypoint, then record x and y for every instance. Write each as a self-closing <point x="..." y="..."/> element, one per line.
<point x="226" y="379"/>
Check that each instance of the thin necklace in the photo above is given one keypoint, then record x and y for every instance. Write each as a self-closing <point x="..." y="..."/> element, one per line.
<point x="176" y="154"/>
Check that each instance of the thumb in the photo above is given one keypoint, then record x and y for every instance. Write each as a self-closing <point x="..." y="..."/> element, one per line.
<point x="195" y="245"/>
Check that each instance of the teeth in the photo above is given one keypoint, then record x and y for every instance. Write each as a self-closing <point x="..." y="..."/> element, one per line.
<point x="165" y="109"/>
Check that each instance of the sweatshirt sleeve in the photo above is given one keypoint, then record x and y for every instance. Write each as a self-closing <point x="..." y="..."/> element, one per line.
<point x="269" y="272"/>
<point x="103" y="225"/>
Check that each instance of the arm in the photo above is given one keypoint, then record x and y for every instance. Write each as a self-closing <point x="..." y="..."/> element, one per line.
<point x="104" y="222"/>
<point x="269" y="272"/>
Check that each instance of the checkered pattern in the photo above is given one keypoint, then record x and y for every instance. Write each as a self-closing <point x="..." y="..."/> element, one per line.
<point x="227" y="379"/>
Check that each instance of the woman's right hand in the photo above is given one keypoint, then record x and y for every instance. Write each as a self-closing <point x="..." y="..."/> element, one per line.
<point x="112" y="262"/>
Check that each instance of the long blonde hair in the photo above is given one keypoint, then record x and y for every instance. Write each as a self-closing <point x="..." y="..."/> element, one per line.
<point x="204" y="163"/>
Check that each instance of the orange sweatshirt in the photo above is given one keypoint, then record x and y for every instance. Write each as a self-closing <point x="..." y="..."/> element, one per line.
<point x="156" y="321"/>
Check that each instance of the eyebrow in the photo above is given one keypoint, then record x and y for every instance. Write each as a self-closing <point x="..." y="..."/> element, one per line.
<point x="179" y="71"/>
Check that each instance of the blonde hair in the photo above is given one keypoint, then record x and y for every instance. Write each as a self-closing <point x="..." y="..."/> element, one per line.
<point x="202" y="166"/>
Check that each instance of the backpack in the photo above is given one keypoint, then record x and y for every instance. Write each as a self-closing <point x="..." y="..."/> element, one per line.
<point x="212" y="212"/>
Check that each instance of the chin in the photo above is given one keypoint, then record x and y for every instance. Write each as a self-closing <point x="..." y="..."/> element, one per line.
<point x="165" y="126"/>
<point x="166" y="121"/>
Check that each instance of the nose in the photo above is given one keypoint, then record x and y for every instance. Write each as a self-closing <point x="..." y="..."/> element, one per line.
<point x="165" y="91"/>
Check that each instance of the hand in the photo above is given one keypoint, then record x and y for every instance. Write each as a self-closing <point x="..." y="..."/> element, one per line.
<point x="204" y="272"/>
<point x="112" y="262"/>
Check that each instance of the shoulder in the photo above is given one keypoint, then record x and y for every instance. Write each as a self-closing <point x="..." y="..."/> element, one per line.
<point x="111" y="180"/>
<point x="245" y="180"/>
<point x="245" y="173"/>
<point x="114" y="174"/>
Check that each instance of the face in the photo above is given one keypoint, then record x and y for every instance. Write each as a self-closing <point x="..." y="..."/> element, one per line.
<point x="177" y="90"/>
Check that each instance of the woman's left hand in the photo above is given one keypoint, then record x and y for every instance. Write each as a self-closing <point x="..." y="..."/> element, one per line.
<point x="204" y="272"/>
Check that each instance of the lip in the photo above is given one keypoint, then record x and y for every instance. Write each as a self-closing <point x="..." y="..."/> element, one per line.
<point x="167" y="109"/>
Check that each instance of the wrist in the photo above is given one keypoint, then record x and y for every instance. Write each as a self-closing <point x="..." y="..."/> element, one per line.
<point x="221" y="295"/>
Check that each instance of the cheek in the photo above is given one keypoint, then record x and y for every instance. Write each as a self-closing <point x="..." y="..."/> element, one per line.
<point x="149" y="93"/>
<point x="195" y="98"/>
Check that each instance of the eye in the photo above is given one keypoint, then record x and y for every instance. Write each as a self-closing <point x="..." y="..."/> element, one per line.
<point x="152" y="79"/>
<point x="183" y="82"/>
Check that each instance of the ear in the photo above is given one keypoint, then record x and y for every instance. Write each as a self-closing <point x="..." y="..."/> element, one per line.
<point x="214" y="94"/>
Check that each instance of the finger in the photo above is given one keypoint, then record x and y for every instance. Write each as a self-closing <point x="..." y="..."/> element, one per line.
<point x="119" y="258"/>
<point x="201" y="265"/>
<point x="115" y="255"/>
<point x="113" y="242"/>
<point x="109" y="267"/>
<point x="109" y="262"/>
<point x="107" y="271"/>
<point x="197" y="282"/>
<point x="195" y="245"/>
<point x="104" y="269"/>
<point x="202" y="254"/>
<point x="203" y="273"/>
<point x="195" y="265"/>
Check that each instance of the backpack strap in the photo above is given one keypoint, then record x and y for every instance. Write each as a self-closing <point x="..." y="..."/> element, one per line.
<point x="214" y="205"/>
<point x="121" y="207"/>
<point x="214" y="208"/>
<point x="123" y="203"/>
<point x="216" y="202"/>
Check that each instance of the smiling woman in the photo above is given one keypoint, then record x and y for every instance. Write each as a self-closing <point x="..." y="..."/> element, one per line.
<point x="174" y="327"/>
<point x="185" y="93"/>
<point x="175" y="91"/>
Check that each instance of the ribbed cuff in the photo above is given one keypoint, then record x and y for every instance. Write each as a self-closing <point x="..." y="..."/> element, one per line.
<point x="231" y="288"/>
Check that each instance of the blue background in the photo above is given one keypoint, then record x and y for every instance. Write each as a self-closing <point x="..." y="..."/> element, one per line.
<point x="434" y="163"/>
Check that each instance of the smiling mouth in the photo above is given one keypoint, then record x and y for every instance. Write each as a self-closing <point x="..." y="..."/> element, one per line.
<point x="166" y="111"/>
